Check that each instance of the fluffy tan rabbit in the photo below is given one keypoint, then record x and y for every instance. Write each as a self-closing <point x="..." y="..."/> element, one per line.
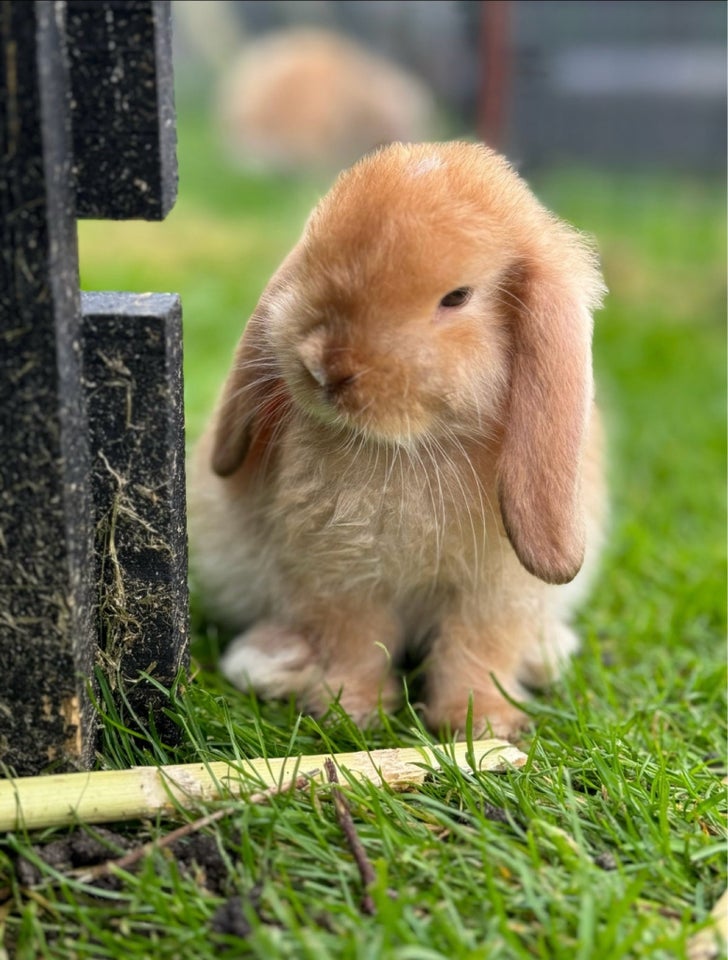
<point x="406" y="451"/>
<point x="310" y="99"/>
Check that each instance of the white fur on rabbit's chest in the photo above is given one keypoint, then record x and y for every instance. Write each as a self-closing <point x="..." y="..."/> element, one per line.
<point x="382" y="519"/>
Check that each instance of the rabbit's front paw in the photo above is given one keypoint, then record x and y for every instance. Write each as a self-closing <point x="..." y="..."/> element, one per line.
<point x="272" y="660"/>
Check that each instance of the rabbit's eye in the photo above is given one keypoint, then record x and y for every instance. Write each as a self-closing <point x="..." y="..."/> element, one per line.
<point x="456" y="298"/>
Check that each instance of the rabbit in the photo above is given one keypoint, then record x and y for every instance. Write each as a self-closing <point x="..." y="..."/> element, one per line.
<point x="407" y="454"/>
<point x="306" y="99"/>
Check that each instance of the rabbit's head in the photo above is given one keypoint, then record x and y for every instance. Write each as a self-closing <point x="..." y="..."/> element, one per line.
<point x="431" y="298"/>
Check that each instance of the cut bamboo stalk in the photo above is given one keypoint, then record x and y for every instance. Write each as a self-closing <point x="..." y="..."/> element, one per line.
<point x="32" y="803"/>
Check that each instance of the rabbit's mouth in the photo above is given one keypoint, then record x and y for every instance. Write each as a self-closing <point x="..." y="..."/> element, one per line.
<point x="360" y="403"/>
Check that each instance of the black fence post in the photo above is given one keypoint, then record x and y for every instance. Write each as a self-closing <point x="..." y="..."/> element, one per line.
<point x="91" y="432"/>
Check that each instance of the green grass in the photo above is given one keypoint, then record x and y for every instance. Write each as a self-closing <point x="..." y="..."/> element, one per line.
<point x="610" y="842"/>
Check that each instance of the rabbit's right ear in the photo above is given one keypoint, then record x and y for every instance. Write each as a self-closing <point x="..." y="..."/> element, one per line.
<point x="254" y="398"/>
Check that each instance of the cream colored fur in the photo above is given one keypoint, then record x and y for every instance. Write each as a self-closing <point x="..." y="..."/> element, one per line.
<point x="387" y="468"/>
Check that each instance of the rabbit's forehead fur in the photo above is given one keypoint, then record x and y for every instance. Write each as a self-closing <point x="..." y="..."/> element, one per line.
<point x="413" y="222"/>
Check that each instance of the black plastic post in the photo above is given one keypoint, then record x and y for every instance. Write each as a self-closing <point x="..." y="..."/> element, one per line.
<point x="92" y="544"/>
<point x="132" y="349"/>
<point x="46" y="586"/>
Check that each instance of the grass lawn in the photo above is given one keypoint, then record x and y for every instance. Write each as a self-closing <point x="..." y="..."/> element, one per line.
<point x="610" y="842"/>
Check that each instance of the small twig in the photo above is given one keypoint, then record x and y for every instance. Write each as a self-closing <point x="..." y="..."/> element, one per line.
<point x="86" y="874"/>
<point x="346" y="822"/>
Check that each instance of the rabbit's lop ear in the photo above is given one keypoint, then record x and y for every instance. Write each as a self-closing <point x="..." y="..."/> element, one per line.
<point x="254" y="397"/>
<point x="550" y="399"/>
<point x="243" y="399"/>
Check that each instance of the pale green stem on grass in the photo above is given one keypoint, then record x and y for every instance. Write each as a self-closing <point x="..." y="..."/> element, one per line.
<point x="104" y="796"/>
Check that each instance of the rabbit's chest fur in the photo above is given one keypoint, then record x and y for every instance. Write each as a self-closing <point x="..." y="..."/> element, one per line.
<point x="386" y="520"/>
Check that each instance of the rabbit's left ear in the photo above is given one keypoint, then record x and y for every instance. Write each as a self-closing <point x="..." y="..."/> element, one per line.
<point x="254" y="399"/>
<point x="247" y="401"/>
<point x="551" y="391"/>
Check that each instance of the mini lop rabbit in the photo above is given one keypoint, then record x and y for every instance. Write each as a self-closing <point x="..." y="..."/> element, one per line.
<point x="406" y="451"/>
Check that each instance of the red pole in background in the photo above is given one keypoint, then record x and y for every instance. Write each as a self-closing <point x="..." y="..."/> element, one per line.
<point x="495" y="62"/>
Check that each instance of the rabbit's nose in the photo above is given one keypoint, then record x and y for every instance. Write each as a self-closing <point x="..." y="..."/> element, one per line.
<point x="316" y="370"/>
<point x="331" y="380"/>
<point x="331" y="373"/>
<point x="311" y="354"/>
<point x="335" y="384"/>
